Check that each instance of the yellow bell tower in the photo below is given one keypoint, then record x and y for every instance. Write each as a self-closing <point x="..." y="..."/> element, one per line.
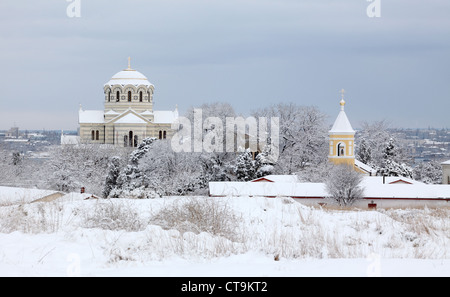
<point x="342" y="138"/>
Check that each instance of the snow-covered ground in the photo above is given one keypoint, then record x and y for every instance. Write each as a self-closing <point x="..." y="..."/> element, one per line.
<point x="228" y="237"/>
<point x="11" y="195"/>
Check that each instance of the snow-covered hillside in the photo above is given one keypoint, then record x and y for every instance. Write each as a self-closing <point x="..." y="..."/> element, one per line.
<point x="202" y="236"/>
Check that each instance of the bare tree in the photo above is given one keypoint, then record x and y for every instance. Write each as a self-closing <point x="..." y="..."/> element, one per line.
<point x="303" y="136"/>
<point x="343" y="185"/>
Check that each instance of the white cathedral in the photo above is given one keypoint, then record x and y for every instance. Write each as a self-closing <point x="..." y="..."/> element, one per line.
<point x="128" y="116"/>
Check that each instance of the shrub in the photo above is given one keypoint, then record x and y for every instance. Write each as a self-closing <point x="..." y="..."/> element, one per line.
<point x="343" y="185"/>
<point x="110" y="215"/>
<point x="199" y="215"/>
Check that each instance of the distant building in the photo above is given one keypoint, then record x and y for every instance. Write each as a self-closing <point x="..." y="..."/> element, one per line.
<point x="13" y="132"/>
<point x="69" y="139"/>
<point x="128" y="115"/>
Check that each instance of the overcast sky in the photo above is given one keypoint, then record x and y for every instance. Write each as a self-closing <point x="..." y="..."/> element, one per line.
<point x="250" y="53"/>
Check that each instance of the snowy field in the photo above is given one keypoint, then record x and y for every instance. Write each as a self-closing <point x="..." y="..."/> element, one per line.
<point x="201" y="236"/>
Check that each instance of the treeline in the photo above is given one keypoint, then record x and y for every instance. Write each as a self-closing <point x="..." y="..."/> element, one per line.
<point x="154" y="169"/>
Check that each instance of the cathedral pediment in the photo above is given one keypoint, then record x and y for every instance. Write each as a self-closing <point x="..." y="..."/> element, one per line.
<point x="129" y="117"/>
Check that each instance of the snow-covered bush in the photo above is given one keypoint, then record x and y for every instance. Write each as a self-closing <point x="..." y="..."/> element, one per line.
<point x="302" y="136"/>
<point x="428" y="172"/>
<point x="245" y="167"/>
<point x="85" y="165"/>
<point x="113" y="174"/>
<point x="343" y="185"/>
<point x="393" y="162"/>
<point x="199" y="215"/>
<point x="155" y="170"/>
<point x="377" y="147"/>
<point x="34" y="218"/>
<point x="110" y="215"/>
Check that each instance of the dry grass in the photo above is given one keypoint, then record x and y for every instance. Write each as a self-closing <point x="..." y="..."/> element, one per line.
<point x="112" y="215"/>
<point x="40" y="217"/>
<point x="199" y="215"/>
<point x="208" y="227"/>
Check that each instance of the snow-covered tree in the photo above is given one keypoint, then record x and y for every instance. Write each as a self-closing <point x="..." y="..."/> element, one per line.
<point x="72" y="167"/>
<point x="302" y="136"/>
<point x="216" y="167"/>
<point x="210" y="116"/>
<point x="264" y="162"/>
<point x="130" y="178"/>
<point x="16" y="158"/>
<point x="364" y="152"/>
<point x="316" y="174"/>
<point x="113" y="174"/>
<point x="245" y="167"/>
<point x="428" y="172"/>
<point x="393" y="168"/>
<point x="344" y="185"/>
<point x="393" y="161"/>
<point x="371" y="142"/>
<point x="378" y="148"/>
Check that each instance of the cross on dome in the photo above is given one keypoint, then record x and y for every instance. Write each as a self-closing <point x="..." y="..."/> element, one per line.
<point x="342" y="99"/>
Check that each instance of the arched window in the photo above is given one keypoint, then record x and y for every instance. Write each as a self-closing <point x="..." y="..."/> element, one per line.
<point x="93" y="135"/>
<point x="140" y="96"/>
<point x="109" y="96"/>
<point x="130" y="137"/>
<point x="340" y="149"/>
<point x="97" y="134"/>
<point x="135" y="140"/>
<point x="129" y="96"/>
<point x="125" y="140"/>
<point x="160" y="134"/>
<point x="117" y="96"/>
<point x="164" y="134"/>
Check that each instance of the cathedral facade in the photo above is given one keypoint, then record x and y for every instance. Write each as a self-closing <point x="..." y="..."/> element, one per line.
<point x="128" y="116"/>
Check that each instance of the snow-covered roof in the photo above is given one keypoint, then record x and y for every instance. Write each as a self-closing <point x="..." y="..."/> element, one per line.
<point x="342" y="124"/>
<point x="415" y="191"/>
<point x="446" y="162"/>
<point x="373" y="188"/>
<point x="130" y="118"/>
<point x="12" y="195"/>
<point x="374" y="181"/>
<point x="129" y="77"/>
<point x="267" y="189"/>
<point x="365" y="167"/>
<point x="111" y="112"/>
<point x="165" y="116"/>
<point x="70" y="139"/>
<point x="278" y="178"/>
<point x="97" y="116"/>
<point x="91" y="116"/>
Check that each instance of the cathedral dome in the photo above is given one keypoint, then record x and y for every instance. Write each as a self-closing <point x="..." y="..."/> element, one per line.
<point x="128" y="77"/>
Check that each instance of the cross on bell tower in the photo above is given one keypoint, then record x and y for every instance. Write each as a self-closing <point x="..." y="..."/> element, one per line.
<point x="342" y="91"/>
